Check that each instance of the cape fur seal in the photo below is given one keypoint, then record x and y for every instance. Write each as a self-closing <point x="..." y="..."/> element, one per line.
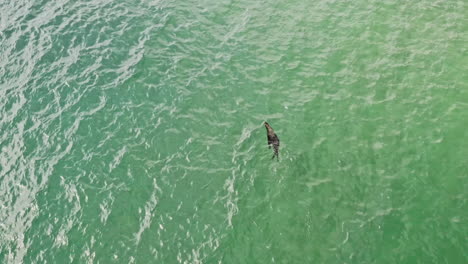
<point x="272" y="140"/>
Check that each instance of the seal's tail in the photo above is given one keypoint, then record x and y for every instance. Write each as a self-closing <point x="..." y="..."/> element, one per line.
<point x="276" y="153"/>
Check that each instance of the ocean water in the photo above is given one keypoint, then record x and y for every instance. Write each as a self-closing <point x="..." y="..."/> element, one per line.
<point x="132" y="131"/>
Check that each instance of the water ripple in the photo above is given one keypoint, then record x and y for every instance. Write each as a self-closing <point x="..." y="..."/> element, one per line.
<point x="130" y="132"/>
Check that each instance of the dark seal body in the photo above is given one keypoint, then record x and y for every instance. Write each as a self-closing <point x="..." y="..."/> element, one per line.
<point x="273" y="140"/>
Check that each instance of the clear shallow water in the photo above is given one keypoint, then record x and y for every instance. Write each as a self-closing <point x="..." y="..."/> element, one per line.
<point x="131" y="132"/>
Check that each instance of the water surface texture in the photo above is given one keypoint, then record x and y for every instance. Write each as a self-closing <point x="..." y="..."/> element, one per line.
<point x="132" y="131"/>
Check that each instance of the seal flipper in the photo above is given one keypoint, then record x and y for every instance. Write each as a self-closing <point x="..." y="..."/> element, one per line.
<point x="276" y="151"/>
<point x="277" y="156"/>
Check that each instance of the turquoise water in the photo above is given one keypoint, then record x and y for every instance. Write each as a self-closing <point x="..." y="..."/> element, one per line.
<point x="131" y="131"/>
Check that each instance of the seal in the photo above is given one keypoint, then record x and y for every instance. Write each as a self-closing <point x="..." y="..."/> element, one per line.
<point x="273" y="140"/>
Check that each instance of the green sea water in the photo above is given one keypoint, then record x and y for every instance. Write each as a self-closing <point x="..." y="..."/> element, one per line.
<point x="132" y="131"/>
